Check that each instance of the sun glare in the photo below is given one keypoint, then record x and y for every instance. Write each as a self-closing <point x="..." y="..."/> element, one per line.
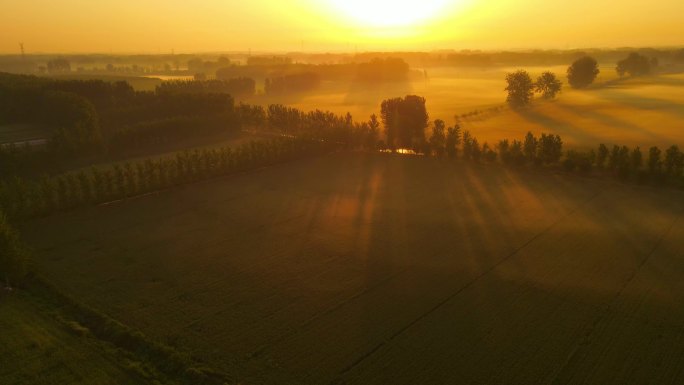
<point x="390" y="13"/>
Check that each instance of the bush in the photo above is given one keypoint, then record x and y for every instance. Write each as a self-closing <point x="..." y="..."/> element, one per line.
<point x="14" y="256"/>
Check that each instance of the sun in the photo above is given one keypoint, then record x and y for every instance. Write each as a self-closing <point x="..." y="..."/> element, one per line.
<point x="390" y="13"/>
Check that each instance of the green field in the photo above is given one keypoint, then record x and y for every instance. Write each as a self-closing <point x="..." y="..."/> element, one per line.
<point x="37" y="347"/>
<point x="376" y="269"/>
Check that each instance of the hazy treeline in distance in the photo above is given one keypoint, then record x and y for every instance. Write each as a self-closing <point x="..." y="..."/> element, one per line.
<point x="191" y="64"/>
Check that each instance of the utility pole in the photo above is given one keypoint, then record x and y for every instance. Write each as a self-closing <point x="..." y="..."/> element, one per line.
<point x="23" y="54"/>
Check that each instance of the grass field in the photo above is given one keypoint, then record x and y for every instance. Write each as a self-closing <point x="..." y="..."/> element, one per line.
<point x="36" y="348"/>
<point x="376" y="269"/>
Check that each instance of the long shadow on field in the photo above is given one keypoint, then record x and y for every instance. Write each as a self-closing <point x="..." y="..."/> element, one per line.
<point x="612" y="121"/>
<point x="363" y="93"/>
<point x="448" y="227"/>
<point x="630" y="82"/>
<point x="563" y="128"/>
<point x="641" y="102"/>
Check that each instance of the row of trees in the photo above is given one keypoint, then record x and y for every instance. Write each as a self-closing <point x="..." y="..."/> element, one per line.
<point x="620" y="161"/>
<point x="300" y="82"/>
<point x="625" y="162"/>
<point x="636" y="65"/>
<point x="521" y="88"/>
<point x="237" y="87"/>
<point x="450" y="142"/>
<point x="20" y="198"/>
<point x="381" y="70"/>
<point x="581" y="73"/>
<point x="150" y="134"/>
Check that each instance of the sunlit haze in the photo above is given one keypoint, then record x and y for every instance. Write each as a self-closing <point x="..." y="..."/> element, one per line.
<point x="334" y="25"/>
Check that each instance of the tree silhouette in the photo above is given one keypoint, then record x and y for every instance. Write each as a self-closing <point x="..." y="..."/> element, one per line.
<point x="549" y="148"/>
<point x="674" y="161"/>
<point x="488" y="153"/>
<point x="548" y="85"/>
<point x="634" y="65"/>
<point x="373" y="132"/>
<point x="636" y="159"/>
<point x="583" y="72"/>
<point x="467" y="145"/>
<point x="602" y="155"/>
<point x="530" y="148"/>
<point x="438" y="138"/>
<point x="453" y="140"/>
<point x="476" y="151"/>
<point x="405" y="120"/>
<point x="655" y="164"/>
<point x="520" y="88"/>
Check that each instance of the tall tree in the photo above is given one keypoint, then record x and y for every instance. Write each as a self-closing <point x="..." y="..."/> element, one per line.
<point x="583" y="72"/>
<point x="520" y="88"/>
<point x="530" y="147"/>
<point x="602" y="155"/>
<point x="635" y="65"/>
<point x="548" y="85"/>
<point x="438" y="138"/>
<point x="655" y="164"/>
<point x="674" y="161"/>
<point x="405" y="120"/>
<point x="453" y="139"/>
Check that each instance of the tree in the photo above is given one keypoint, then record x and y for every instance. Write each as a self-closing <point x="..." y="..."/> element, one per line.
<point x="438" y="138"/>
<point x="476" y="151"/>
<point x="583" y="72"/>
<point x="405" y="120"/>
<point x="655" y="165"/>
<point x="614" y="158"/>
<point x="636" y="159"/>
<point x="634" y="65"/>
<point x="674" y="161"/>
<point x="548" y="85"/>
<point x="504" y="151"/>
<point x="520" y="88"/>
<point x="389" y="113"/>
<point x="373" y="132"/>
<point x="549" y="148"/>
<point x="453" y="139"/>
<point x="602" y="155"/>
<point x="488" y="154"/>
<point x="467" y="145"/>
<point x="517" y="155"/>
<point x="623" y="162"/>
<point x="58" y="65"/>
<point x="530" y="148"/>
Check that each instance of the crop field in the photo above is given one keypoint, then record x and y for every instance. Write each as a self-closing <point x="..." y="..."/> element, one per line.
<point x="647" y="111"/>
<point x="43" y="350"/>
<point x="376" y="269"/>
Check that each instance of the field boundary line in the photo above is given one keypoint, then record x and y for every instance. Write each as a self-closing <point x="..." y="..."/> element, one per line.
<point x="327" y="311"/>
<point x="453" y="295"/>
<point x="606" y="309"/>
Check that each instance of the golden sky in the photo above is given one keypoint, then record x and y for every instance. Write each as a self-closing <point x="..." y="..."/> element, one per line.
<point x="154" y="26"/>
